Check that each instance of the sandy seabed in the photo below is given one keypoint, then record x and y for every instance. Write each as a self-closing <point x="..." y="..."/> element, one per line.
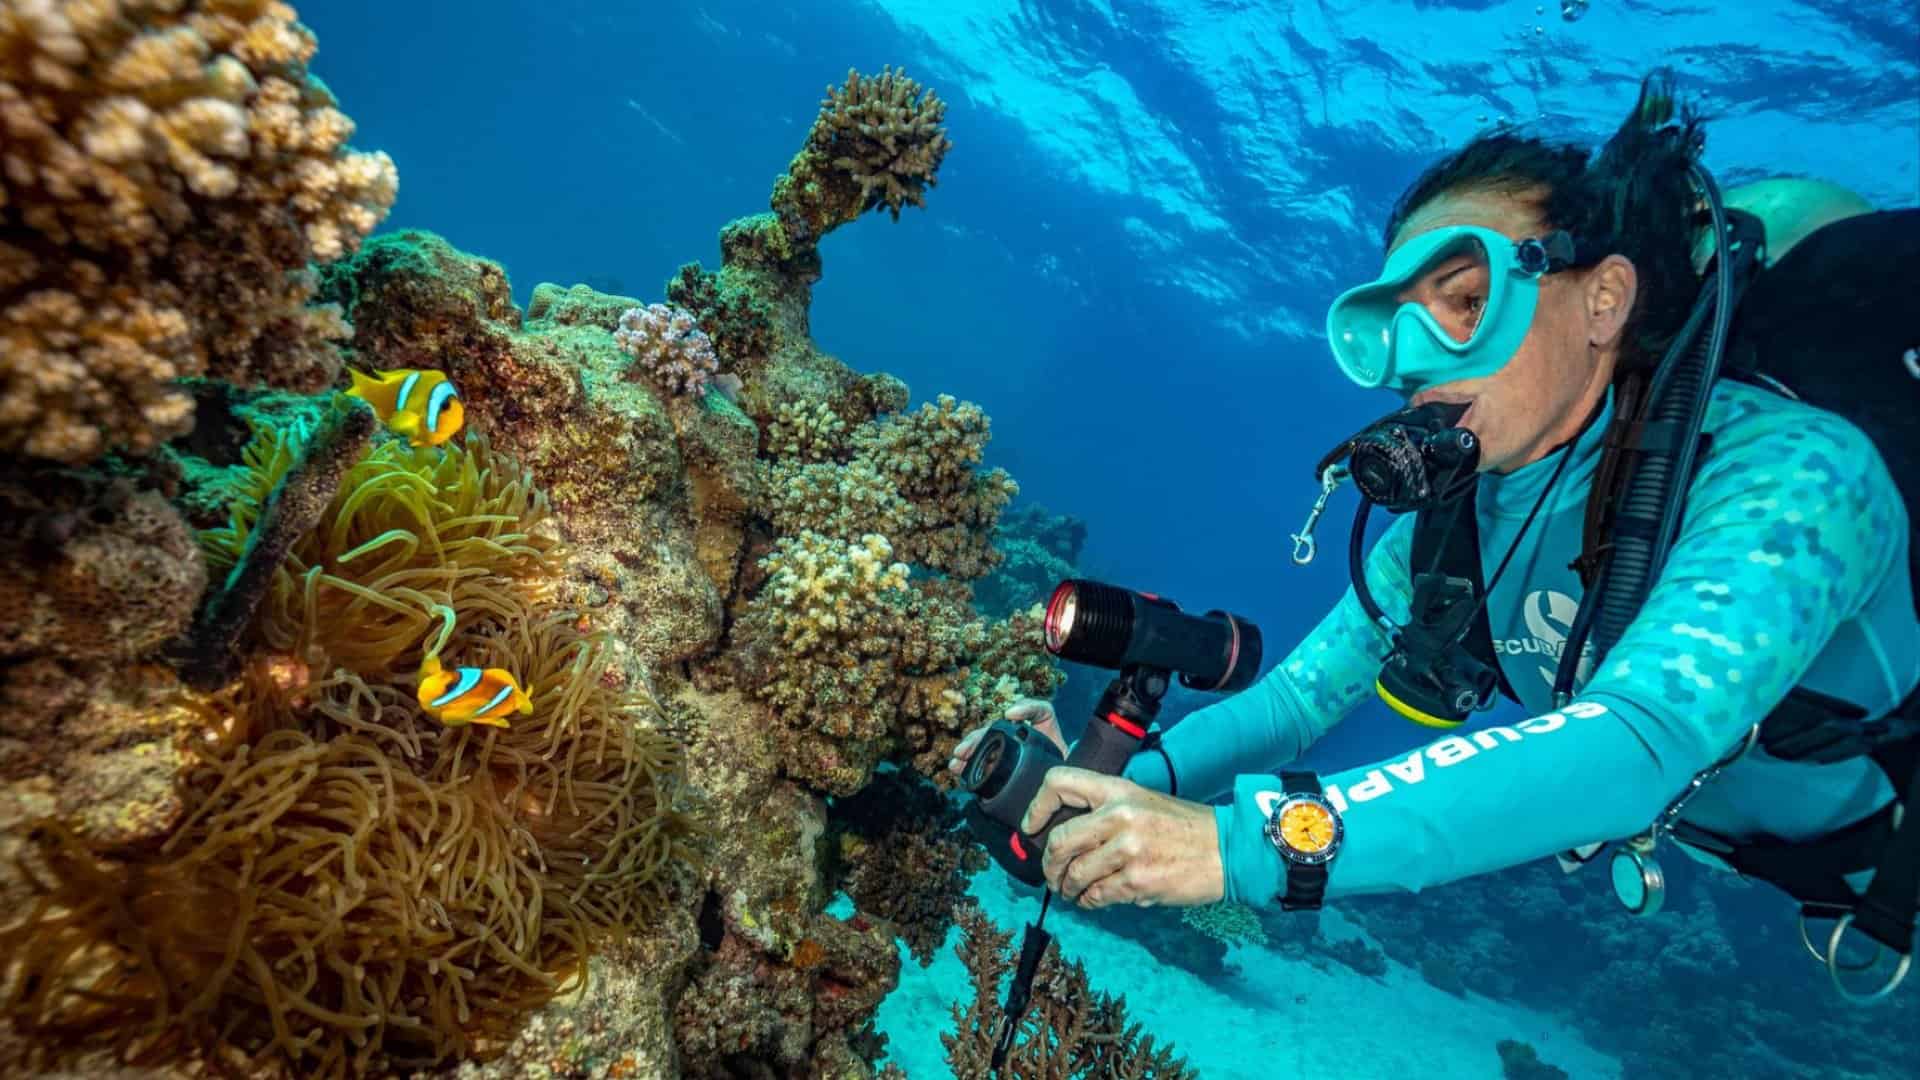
<point x="1273" y="1018"/>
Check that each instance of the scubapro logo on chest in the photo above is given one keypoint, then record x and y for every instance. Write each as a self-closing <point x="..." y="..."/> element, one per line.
<point x="1548" y="617"/>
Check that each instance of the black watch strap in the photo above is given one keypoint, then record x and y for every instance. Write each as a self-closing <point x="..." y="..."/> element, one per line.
<point x="1306" y="882"/>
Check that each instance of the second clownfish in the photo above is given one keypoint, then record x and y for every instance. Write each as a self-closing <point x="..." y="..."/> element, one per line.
<point x="466" y="695"/>
<point x="418" y="403"/>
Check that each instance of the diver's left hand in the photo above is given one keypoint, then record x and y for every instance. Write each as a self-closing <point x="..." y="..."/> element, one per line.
<point x="1133" y="846"/>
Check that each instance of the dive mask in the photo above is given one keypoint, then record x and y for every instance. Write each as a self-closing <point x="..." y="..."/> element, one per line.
<point x="1471" y="328"/>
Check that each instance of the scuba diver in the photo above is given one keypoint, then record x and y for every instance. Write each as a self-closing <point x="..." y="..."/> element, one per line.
<point x="1538" y="305"/>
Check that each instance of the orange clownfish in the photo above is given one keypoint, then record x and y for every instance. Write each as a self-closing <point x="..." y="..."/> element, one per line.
<point x="418" y="403"/>
<point x="469" y="695"/>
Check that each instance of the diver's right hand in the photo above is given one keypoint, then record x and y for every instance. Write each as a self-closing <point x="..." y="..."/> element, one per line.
<point x="1031" y="711"/>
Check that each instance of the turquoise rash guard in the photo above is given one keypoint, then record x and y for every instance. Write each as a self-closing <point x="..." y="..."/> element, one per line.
<point x="1790" y="569"/>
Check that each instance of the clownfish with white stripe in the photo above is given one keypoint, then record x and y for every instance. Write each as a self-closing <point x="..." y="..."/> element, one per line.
<point x="416" y="402"/>
<point x="467" y="695"/>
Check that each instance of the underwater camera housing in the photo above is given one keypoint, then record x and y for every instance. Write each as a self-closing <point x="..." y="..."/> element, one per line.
<point x="1148" y="640"/>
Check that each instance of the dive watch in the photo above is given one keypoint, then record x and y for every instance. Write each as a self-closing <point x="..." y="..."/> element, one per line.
<point x="1306" y="830"/>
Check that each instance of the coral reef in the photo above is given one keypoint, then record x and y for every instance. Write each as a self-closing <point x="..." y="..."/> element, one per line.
<point x="97" y="572"/>
<point x="286" y="868"/>
<point x="863" y="665"/>
<point x="92" y="567"/>
<point x="168" y="174"/>
<point x="1039" y="550"/>
<point x="733" y="318"/>
<point x="877" y="142"/>
<point x="354" y="888"/>
<point x="668" y="349"/>
<point x="652" y="491"/>
<point x="901" y="851"/>
<point x="1069" y="1031"/>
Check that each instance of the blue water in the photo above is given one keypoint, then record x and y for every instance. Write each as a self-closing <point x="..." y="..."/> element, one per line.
<point x="1146" y="211"/>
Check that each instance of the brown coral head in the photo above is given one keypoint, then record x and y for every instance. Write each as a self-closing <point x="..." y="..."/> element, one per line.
<point x="170" y="172"/>
<point x="885" y="132"/>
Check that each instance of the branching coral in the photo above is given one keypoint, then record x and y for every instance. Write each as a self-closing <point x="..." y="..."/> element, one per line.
<point x="166" y="172"/>
<point x="911" y="477"/>
<point x="1069" y="1032"/>
<point x="907" y="857"/>
<point x="806" y="432"/>
<point x="878" y="141"/>
<point x="930" y="456"/>
<point x="667" y="348"/>
<point x="862" y="665"/>
<point x="355" y="888"/>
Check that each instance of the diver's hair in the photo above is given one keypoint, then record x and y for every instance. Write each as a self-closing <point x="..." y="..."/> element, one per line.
<point x="1635" y="198"/>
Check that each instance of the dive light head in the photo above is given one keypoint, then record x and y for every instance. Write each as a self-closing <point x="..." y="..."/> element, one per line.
<point x="1103" y="625"/>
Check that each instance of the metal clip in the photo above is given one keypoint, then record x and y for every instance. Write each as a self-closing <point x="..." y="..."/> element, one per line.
<point x="1304" y="547"/>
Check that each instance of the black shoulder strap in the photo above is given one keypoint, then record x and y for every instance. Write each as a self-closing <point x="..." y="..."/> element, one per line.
<point x="1448" y="536"/>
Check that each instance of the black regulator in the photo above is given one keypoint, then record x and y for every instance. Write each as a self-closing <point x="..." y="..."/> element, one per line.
<point x="1414" y="459"/>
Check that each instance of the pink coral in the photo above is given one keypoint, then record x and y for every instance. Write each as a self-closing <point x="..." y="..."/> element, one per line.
<point x="671" y="351"/>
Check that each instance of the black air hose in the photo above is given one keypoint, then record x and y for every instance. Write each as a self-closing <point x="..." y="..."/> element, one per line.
<point x="1649" y="514"/>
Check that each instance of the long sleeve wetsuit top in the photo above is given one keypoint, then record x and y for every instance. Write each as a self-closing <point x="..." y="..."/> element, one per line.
<point x="1790" y="568"/>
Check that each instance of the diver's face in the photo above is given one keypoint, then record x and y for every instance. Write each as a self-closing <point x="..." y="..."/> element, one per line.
<point x="1543" y="394"/>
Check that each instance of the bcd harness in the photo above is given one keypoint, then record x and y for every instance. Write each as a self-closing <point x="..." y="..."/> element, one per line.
<point x="1825" y="325"/>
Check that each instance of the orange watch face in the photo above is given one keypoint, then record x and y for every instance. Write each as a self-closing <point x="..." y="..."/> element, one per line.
<point x="1307" y="827"/>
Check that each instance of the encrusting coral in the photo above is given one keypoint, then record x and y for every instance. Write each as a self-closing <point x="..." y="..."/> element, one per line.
<point x="167" y="171"/>
<point x="1069" y="1032"/>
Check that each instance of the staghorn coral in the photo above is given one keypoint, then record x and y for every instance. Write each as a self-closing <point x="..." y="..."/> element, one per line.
<point x="906" y="857"/>
<point x="167" y="170"/>
<point x="1070" y="1031"/>
<point x="288" y="513"/>
<point x="878" y="141"/>
<point x="355" y="888"/>
<point x="668" y="349"/>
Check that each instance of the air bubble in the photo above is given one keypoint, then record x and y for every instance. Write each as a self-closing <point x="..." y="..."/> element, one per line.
<point x="1571" y="10"/>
